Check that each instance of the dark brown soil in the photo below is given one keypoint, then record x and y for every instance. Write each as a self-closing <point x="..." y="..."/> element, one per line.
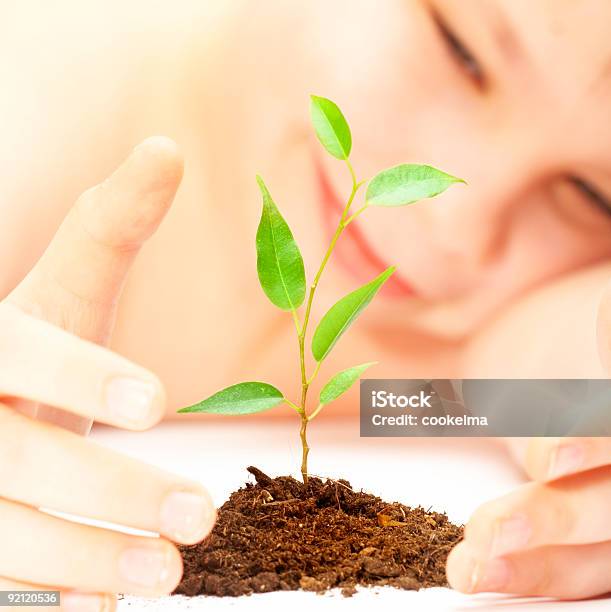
<point x="281" y="535"/>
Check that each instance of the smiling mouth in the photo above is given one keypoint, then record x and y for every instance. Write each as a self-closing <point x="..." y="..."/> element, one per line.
<point x="353" y="250"/>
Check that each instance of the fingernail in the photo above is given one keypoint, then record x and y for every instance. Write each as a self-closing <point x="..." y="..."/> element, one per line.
<point x="144" y="567"/>
<point x="565" y="459"/>
<point x="84" y="602"/>
<point x="186" y="516"/>
<point x="490" y="575"/>
<point x="510" y="534"/>
<point x="130" y="399"/>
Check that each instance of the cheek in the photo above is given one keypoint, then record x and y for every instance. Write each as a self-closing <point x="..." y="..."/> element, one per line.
<point x="552" y="243"/>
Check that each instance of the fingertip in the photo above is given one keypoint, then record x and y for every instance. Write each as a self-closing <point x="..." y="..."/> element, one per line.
<point x="134" y="403"/>
<point x="478" y="531"/>
<point x="126" y="209"/>
<point x="468" y="573"/>
<point x="209" y="516"/>
<point x="158" y="404"/>
<point x="565" y="459"/>
<point x="157" y="142"/>
<point x="165" y="154"/>
<point x="174" y="567"/>
<point x="552" y="458"/>
<point x="460" y="566"/>
<point x="187" y="515"/>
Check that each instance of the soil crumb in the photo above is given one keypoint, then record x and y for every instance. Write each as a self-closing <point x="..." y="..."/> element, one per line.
<point x="278" y="534"/>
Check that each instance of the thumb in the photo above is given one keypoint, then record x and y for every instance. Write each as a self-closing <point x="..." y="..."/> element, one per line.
<point x="78" y="280"/>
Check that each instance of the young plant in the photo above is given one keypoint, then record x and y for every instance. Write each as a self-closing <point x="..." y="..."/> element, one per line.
<point x="282" y="277"/>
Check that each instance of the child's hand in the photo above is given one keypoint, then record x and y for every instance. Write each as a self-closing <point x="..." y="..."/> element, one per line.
<point x="549" y="537"/>
<point x="558" y="537"/>
<point x="75" y="286"/>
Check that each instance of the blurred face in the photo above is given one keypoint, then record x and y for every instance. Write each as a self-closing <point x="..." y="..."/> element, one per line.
<point x="512" y="95"/>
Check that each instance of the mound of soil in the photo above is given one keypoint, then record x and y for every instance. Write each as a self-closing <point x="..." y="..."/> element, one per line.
<point x="279" y="534"/>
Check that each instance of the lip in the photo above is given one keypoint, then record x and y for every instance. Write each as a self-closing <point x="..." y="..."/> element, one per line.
<point x="353" y="250"/>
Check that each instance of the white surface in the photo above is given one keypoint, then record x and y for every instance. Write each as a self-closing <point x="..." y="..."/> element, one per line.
<point x="444" y="474"/>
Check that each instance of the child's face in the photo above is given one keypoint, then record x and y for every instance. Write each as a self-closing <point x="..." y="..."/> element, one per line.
<point x="512" y="95"/>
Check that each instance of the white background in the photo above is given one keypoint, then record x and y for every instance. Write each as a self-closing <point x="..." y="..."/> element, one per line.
<point x="447" y="475"/>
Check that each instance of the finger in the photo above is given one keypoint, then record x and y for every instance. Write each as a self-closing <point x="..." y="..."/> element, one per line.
<point x="74" y="374"/>
<point x="44" y="549"/>
<point x="75" y="476"/>
<point x="570" y="572"/>
<point x="85" y="265"/>
<point x="70" y="601"/>
<point x="552" y="458"/>
<point x="539" y="514"/>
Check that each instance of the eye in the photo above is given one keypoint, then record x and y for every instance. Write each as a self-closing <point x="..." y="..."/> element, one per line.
<point x="462" y="56"/>
<point x="592" y="194"/>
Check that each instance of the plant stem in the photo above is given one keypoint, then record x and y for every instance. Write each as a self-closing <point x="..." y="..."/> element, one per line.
<point x="315" y="373"/>
<point x="320" y="407"/>
<point x="296" y="321"/>
<point x="356" y="214"/>
<point x="336" y="235"/>
<point x="305" y="449"/>
<point x="303" y="327"/>
<point x="295" y="407"/>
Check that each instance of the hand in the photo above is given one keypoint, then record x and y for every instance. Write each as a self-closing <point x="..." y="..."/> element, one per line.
<point x="557" y="540"/>
<point x="550" y="537"/>
<point x="75" y="286"/>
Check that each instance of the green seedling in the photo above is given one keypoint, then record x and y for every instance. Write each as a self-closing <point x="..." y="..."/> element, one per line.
<point x="282" y="277"/>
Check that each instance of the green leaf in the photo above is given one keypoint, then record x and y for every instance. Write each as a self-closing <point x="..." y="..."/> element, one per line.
<point x="341" y="315"/>
<point x="341" y="382"/>
<point x="243" y="398"/>
<point x="406" y="184"/>
<point x="279" y="262"/>
<point x="331" y="127"/>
